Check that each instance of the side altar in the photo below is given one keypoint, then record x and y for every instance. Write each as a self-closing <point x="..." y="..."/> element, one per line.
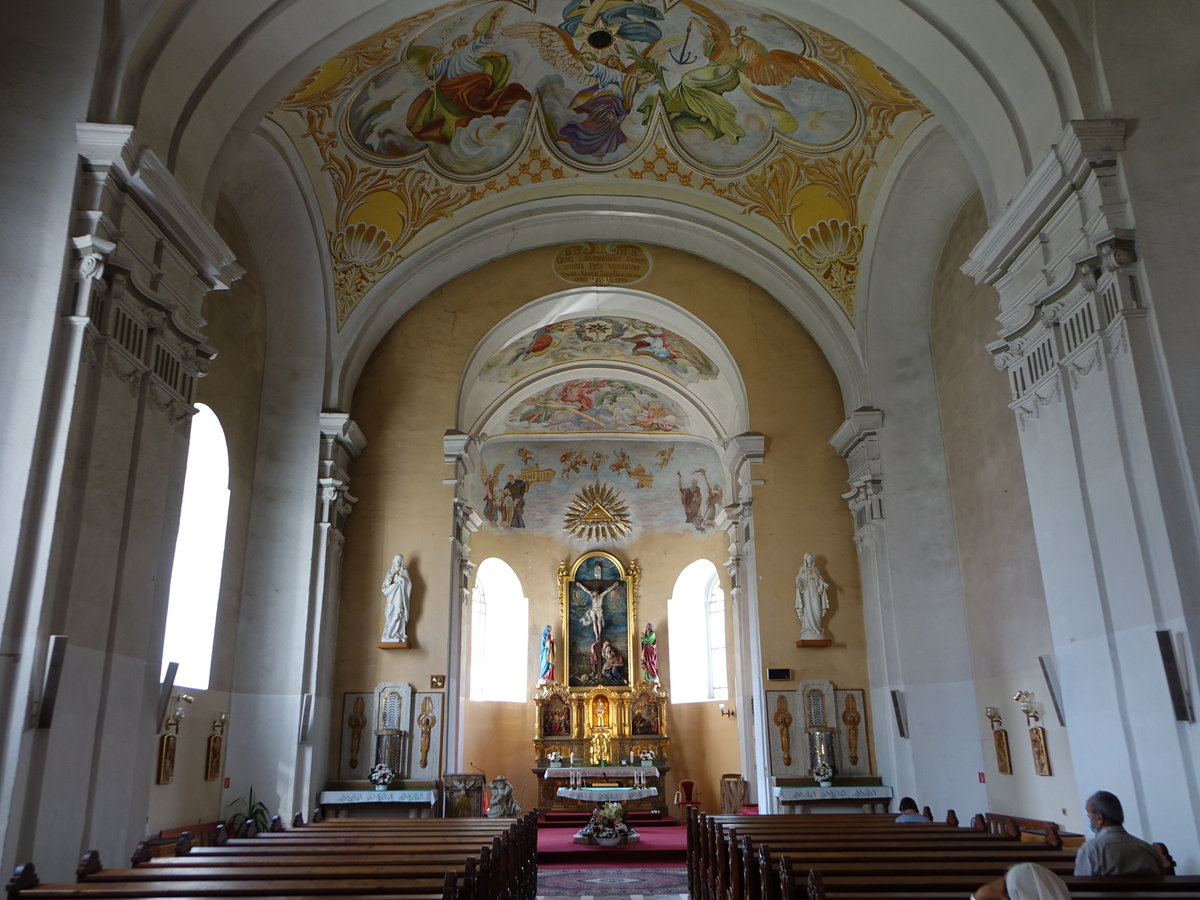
<point x="599" y="718"/>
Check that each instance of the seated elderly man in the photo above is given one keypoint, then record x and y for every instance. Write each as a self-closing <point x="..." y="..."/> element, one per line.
<point x="1113" y="851"/>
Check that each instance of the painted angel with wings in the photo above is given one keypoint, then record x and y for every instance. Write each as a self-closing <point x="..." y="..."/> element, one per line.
<point x="756" y="66"/>
<point x="612" y="85"/>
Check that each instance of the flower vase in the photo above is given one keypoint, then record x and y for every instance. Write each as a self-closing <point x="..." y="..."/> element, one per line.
<point x="381" y="787"/>
<point x="608" y="841"/>
<point x="825" y="783"/>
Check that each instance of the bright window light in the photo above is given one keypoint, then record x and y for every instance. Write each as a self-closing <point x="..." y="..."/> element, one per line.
<point x="696" y="637"/>
<point x="199" y="553"/>
<point x="499" y="635"/>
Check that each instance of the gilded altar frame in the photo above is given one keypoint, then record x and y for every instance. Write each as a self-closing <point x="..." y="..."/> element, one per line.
<point x="598" y="600"/>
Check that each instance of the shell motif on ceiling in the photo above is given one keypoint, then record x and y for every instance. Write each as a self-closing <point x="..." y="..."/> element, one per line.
<point x="768" y="122"/>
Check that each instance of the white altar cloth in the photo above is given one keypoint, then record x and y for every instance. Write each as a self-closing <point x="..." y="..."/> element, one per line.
<point x="602" y="795"/>
<point x="342" y="797"/>
<point x="561" y="772"/>
<point x="850" y="792"/>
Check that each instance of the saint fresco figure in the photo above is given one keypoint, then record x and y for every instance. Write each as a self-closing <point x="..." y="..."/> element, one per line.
<point x="649" y="653"/>
<point x="689" y="498"/>
<point x="812" y="600"/>
<point x="397" y="588"/>
<point x="546" y="673"/>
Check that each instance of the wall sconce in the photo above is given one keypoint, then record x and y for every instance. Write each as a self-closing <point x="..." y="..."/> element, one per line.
<point x="172" y="724"/>
<point x="727" y="713"/>
<point x="219" y="723"/>
<point x="993" y="716"/>
<point x="1028" y="707"/>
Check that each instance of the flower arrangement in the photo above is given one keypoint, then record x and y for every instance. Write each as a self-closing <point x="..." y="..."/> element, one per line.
<point x="608" y="820"/>
<point x="646" y="755"/>
<point x="554" y="756"/>
<point x="822" y="771"/>
<point x="381" y="775"/>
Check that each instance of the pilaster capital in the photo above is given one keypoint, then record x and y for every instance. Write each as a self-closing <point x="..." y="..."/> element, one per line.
<point x="743" y="451"/>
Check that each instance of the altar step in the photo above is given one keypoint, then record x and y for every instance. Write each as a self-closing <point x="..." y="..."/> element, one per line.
<point x="656" y="846"/>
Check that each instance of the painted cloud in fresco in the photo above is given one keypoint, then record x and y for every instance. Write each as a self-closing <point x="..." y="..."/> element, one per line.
<point x="667" y="486"/>
<point x="601" y="338"/>
<point x="724" y="83"/>
<point x="596" y="404"/>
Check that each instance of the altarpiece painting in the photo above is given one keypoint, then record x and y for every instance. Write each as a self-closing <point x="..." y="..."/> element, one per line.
<point x="598" y="596"/>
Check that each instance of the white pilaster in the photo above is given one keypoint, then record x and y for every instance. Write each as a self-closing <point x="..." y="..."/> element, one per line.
<point x="1113" y="502"/>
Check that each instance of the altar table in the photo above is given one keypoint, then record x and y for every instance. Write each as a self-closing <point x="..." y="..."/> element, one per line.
<point x="553" y="777"/>
<point x="399" y="803"/>
<point x="872" y="798"/>
<point x="606" y="795"/>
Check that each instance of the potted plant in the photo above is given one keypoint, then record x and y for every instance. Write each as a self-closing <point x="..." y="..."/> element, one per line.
<point x="252" y="811"/>
<point x="553" y="759"/>
<point x="608" y="827"/>
<point x="647" y="757"/>
<point x="823" y="772"/>
<point x="381" y="776"/>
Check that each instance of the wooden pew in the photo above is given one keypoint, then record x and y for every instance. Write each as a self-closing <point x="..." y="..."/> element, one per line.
<point x="452" y="860"/>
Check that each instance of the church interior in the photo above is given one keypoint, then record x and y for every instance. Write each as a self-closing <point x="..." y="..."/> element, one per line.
<point x="790" y="388"/>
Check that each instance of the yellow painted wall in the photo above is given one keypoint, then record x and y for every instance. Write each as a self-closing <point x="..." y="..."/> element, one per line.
<point x="405" y="401"/>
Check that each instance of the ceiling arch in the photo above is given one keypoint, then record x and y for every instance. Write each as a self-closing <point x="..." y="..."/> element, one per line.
<point x="668" y="372"/>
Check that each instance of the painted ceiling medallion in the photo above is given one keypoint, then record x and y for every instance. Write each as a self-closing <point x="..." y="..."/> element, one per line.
<point x="597" y="513"/>
<point x="770" y="122"/>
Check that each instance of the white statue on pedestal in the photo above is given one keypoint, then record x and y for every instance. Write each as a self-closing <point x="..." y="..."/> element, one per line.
<point x="397" y="587"/>
<point x="812" y="601"/>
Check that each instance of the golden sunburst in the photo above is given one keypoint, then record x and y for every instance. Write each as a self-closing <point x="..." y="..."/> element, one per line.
<point x="597" y="513"/>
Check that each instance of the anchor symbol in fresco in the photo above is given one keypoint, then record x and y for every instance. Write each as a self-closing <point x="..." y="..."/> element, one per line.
<point x="684" y="57"/>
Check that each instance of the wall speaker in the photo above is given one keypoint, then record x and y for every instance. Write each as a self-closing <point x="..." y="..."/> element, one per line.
<point x="779" y="674"/>
<point x="1181" y="699"/>
<point x="901" y="716"/>
<point x="55" y="651"/>
<point x="1051" y="676"/>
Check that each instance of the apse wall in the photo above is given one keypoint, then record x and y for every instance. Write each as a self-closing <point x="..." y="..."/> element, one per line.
<point x="405" y="401"/>
<point x="1007" y="623"/>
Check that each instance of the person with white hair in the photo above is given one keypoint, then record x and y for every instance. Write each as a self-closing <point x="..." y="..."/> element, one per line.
<point x="1113" y="851"/>
<point x="1024" y="881"/>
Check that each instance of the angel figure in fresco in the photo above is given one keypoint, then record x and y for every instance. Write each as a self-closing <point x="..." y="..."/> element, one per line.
<point x="611" y="83"/>
<point x="466" y="81"/>
<point x="713" y="495"/>
<point x="491" y="502"/>
<point x="734" y="60"/>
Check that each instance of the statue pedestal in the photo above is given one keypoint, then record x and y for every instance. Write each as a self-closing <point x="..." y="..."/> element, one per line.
<point x="392" y="645"/>
<point x="823" y="642"/>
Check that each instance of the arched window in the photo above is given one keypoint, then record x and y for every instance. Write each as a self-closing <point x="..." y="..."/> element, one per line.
<point x="696" y="615"/>
<point x="199" y="554"/>
<point x="499" y="635"/>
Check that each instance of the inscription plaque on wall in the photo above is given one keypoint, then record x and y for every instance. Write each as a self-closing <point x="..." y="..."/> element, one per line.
<point x="601" y="263"/>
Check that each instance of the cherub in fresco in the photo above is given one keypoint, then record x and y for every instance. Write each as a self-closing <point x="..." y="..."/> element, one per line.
<point x="466" y="81"/>
<point x="653" y="417"/>
<point x="540" y="342"/>
<point x="664" y="456"/>
<point x="572" y="462"/>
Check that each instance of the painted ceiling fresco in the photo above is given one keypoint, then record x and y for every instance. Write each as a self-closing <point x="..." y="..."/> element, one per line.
<point x="770" y="122"/>
<point x="654" y="485"/>
<point x="596" y="404"/>
<point x="596" y="338"/>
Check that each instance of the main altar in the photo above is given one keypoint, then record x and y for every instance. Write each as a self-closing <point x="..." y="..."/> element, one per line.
<point x="599" y="720"/>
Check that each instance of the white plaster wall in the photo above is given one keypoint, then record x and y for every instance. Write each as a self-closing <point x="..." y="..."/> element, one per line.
<point x="274" y="662"/>
<point x="50" y="55"/>
<point x="918" y="637"/>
